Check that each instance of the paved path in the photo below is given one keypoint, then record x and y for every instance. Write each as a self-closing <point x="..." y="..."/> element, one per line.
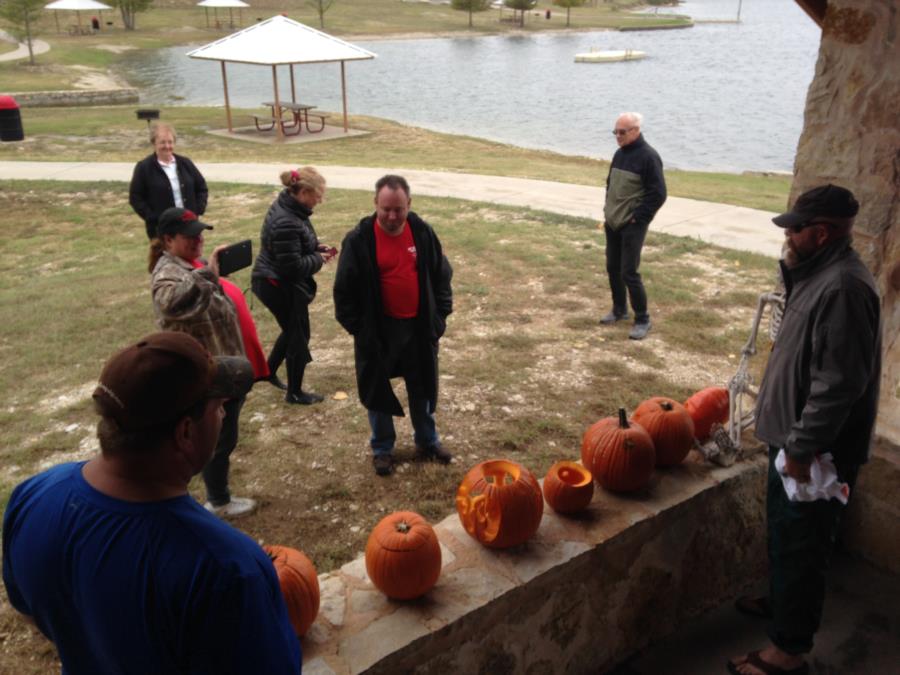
<point x="38" y="46"/>
<point x="735" y="227"/>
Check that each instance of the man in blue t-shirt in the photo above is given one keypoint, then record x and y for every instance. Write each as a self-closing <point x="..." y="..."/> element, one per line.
<point x="116" y="563"/>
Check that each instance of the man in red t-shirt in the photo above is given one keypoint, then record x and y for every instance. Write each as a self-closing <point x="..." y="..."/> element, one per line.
<point x="392" y="293"/>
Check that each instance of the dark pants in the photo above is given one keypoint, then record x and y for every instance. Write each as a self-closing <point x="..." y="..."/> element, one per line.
<point x="215" y="473"/>
<point x="291" y="311"/>
<point x="404" y="359"/>
<point x="801" y="541"/>
<point x="623" y="257"/>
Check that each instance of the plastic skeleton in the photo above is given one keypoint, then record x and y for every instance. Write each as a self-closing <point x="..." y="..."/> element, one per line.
<point x="724" y="447"/>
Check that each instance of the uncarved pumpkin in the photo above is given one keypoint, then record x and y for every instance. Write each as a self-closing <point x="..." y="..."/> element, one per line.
<point x="568" y="487"/>
<point x="707" y="407"/>
<point x="619" y="455"/>
<point x="670" y="427"/>
<point x="403" y="556"/>
<point x="299" y="585"/>
<point x="500" y="503"/>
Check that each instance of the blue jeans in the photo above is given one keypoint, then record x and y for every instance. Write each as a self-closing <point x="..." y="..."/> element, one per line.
<point x="421" y="414"/>
<point x="403" y="359"/>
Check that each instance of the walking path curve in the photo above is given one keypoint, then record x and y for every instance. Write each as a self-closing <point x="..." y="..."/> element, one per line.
<point x="735" y="227"/>
<point x="38" y="46"/>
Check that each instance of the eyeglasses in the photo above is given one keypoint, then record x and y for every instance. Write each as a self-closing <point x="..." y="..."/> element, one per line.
<point x="797" y="229"/>
<point x="622" y="132"/>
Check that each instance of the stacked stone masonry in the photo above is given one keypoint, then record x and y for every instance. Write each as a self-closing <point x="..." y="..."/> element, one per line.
<point x="580" y="596"/>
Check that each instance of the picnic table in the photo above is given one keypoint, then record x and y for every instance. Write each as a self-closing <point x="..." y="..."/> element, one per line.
<point x="294" y="123"/>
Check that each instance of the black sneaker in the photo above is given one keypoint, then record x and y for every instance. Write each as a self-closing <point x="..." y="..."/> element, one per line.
<point x="612" y="317"/>
<point x="384" y="464"/>
<point x="639" y="330"/>
<point x="436" y="451"/>
<point x="304" y="398"/>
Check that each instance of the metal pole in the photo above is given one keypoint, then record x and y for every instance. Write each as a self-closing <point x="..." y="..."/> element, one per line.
<point x="344" y="94"/>
<point x="277" y="111"/>
<point x="739" y="10"/>
<point x="227" y="104"/>
<point x="293" y="89"/>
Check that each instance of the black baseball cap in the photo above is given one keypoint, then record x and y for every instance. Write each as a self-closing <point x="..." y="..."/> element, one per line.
<point x="831" y="203"/>
<point x="180" y="221"/>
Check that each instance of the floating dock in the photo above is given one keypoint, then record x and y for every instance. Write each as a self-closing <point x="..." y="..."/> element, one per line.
<point x="609" y="56"/>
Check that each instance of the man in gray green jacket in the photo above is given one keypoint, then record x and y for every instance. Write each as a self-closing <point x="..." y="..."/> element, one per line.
<point x="818" y="397"/>
<point x="635" y="189"/>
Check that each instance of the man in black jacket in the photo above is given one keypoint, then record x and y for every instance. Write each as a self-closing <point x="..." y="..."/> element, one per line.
<point x="635" y="189"/>
<point x="816" y="411"/>
<point x="392" y="294"/>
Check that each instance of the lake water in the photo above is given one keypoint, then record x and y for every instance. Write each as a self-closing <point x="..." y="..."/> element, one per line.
<point x="718" y="97"/>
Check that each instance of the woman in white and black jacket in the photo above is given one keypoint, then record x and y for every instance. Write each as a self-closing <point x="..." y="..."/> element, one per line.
<point x="163" y="180"/>
<point x="290" y="254"/>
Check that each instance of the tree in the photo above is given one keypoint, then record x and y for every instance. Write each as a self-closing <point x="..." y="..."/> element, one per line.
<point x="471" y="6"/>
<point x="321" y="6"/>
<point x="520" y="6"/>
<point x="22" y="14"/>
<point x="569" y="4"/>
<point x="129" y="10"/>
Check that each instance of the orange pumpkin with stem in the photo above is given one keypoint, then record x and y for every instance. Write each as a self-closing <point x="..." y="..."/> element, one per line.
<point x="619" y="455"/>
<point x="707" y="407"/>
<point x="568" y="487"/>
<point x="500" y="503"/>
<point x="670" y="427"/>
<point x="403" y="556"/>
<point x="299" y="585"/>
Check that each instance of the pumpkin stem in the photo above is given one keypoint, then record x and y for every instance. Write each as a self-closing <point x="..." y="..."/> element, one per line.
<point x="403" y="527"/>
<point x="666" y="405"/>
<point x="623" y="419"/>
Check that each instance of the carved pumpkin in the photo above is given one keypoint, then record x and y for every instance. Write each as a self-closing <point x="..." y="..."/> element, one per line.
<point x="670" y="427"/>
<point x="403" y="556"/>
<point x="620" y="455"/>
<point x="568" y="487"/>
<point x="500" y="503"/>
<point x="299" y="585"/>
<point x="707" y="407"/>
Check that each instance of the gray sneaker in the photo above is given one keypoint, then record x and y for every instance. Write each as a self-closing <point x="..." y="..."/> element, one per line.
<point x="238" y="506"/>
<point x="612" y="317"/>
<point x="639" y="330"/>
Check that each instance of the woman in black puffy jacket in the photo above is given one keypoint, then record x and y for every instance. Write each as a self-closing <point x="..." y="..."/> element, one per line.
<point x="290" y="254"/>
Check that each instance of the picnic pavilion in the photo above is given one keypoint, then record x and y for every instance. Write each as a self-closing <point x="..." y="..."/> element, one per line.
<point x="281" y="41"/>
<point x="230" y="5"/>
<point x="76" y="6"/>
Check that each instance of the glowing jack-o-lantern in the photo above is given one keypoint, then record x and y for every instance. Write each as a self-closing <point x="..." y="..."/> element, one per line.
<point x="500" y="503"/>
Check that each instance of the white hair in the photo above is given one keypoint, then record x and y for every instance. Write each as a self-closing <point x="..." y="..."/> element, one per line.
<point x="636" y="118"/>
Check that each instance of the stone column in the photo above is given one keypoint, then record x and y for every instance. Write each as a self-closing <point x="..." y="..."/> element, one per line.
<point x="851" y="137"/>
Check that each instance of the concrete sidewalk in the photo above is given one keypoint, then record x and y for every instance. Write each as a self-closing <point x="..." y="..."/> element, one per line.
<point x="37" y="46"/>
<point x="735" y="227"/>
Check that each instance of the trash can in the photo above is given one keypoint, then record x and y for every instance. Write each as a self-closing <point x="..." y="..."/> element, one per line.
<point x="10" y="120"/>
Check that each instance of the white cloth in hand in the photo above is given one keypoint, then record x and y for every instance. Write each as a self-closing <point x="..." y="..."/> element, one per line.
<point x="823" y="481"/>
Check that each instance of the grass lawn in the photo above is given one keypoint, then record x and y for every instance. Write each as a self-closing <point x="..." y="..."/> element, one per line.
<point x="525" y="368"/>
<point x="113" y="134"/>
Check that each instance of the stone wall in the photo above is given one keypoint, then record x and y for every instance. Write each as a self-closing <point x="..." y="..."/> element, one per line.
<point x="60" y="99"/>
<point x="851" y="137"/>
<point x="583" y="594"/>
